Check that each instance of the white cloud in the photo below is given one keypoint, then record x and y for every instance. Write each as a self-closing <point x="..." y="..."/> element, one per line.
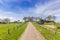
<point x="11" y="15"/>
<point x="42" y="8"/>
<point x="51" y="8"/>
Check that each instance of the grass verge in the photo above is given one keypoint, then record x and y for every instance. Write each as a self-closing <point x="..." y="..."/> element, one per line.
<point x="46" y="33"/>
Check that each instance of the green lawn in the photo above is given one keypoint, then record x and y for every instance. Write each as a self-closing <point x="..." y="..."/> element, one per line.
<point x="46" y="33"/>
<point x="11" y="31"/>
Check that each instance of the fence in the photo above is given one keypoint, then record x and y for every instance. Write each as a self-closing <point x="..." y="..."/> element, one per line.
<point x="10" y="31"/>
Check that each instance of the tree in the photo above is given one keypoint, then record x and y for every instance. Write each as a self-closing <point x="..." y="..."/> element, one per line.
<point x="18" y="20"/>
<point x="51" y="18"/>
<point x="48" y="17"/>
<point x="25" y="18"/>
<point x="38" y="19"/>
<point x="0" y="20"/>
<point x="6" y="20"/>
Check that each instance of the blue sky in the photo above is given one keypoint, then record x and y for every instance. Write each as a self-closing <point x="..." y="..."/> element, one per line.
<point x="17" y="9"/>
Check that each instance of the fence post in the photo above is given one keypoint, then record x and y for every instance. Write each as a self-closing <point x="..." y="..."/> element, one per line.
<point x="8" y="31"/>
<point x="0" y="39"/>
<point x="14" y="28"/>
<point x="56" y="31"/>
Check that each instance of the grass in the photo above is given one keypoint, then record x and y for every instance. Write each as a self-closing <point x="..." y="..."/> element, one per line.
<point x="57" y="28"/>
<point x="46" y="33"/>
<point x="11" y="31"/>
<point x="57" y="24"/>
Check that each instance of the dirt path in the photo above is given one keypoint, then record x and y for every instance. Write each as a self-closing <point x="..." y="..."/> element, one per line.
<point x="31" y="33"/>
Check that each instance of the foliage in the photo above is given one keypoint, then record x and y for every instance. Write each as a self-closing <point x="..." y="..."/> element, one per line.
<point x="51" y="18"/>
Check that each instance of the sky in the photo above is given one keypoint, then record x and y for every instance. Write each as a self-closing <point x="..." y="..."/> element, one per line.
<point x="17" y="9"/>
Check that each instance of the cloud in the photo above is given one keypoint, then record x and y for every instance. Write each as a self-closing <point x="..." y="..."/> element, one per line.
<point x="11" y="15"/>
<point x="41" y="9"/>
<point x="50" y="8"/>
